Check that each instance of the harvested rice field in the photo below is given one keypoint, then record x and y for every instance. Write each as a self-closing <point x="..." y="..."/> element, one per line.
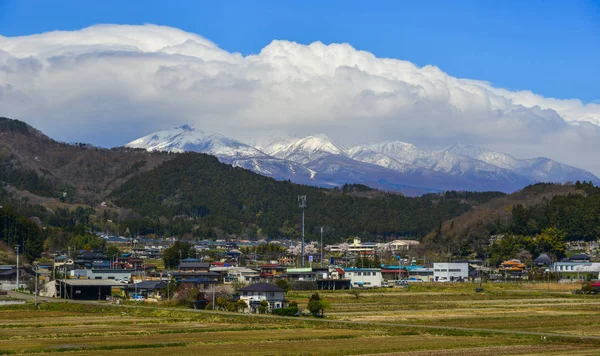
<point x="422" y="320"/>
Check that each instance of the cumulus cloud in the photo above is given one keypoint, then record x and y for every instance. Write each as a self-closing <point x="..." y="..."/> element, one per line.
<point x="109" y="84"/>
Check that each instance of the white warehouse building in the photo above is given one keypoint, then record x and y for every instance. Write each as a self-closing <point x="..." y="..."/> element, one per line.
<point x="363" y="277"/>
<point x="450" y="272"/>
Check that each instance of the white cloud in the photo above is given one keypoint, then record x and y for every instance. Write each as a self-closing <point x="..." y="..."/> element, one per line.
<point x="108" y="84"/>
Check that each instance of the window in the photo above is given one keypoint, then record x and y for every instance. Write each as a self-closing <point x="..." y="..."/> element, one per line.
<point x="454" y="270"/>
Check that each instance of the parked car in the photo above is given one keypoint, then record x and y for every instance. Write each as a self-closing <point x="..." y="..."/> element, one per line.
<point x="137" y="297"/>
<point x="414" y="280"/>
<point x="401" y="283"/>
<point x="125" y="280"/>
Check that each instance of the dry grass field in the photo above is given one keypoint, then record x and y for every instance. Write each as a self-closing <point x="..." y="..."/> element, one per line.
<point x="420" y="321"/>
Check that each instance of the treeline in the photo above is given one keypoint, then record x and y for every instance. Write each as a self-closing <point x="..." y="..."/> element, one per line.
<point x="577" y="215"/>
<point x="17" y="229"/>
<point x="525" y="229"/>
<point x="37" y="229"/>
<point x="196" y="192"/>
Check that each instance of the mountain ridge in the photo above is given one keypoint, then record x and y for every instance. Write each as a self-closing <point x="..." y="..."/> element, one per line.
<point x="403" y="167"/>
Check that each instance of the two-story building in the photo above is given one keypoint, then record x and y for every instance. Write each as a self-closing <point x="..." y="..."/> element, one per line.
<point x="363" y="277"/>
<point x="450" y="272"/>
<point x="254" y="294"/>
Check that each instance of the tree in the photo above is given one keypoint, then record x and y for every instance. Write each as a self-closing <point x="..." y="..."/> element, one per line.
<point x="264" y="305"/>
<point x="242" y="305"/>
<point x="171" y="255"/>
<point x="552" y="240"/>
<point x="112" y="250"/>
<point x="317" y="306"/>
<point x="283" y="284"/>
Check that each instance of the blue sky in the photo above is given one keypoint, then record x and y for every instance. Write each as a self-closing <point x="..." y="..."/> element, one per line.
<point x="549" y="47"/>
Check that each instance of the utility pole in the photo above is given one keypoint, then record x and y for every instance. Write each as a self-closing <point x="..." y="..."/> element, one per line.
<point x="302" y="205"/>
<point x="37" y="267"/>
<point x="321" y="244"/>
<point x="17" y="249"/>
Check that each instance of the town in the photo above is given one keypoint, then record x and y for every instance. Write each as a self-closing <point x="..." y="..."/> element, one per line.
<point x="137" y="269"/>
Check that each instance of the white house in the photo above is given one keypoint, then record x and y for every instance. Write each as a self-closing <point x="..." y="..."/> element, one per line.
<point x="363" y="277"/>
<point x="254" y="294"/>
<point x="357" y="246"/>
<point x="237" y="274"/>
<point x="450" y="272"/>
<point x="402" y="245"/>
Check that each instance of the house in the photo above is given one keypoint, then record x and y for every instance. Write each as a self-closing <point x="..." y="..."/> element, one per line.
<point x="301" y="274"/>
<point x="450" y="271"/>
<point x="363" y="277"/>
<point x="148" y="289"/>
<point x="271" y="271"/>
<point x="200" y="283"/>
<point x="254" y="294"/>
<point x="402" y="245"/>
<point x="356" y="247"/>
<point x="580" y="257"/>
<point x="577" y="271"/>
<point x="334" y="279"/>
<point x="237" y="274"/>
<point x="193" y="267"/>
<point x="543" y="260"/>
<point x="179" y="276"/>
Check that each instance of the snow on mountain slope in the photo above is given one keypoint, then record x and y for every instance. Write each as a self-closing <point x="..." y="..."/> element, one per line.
<point x="186" y="138"/>
<point x="538" y="169"/>
<point x="277" y="168"/>
<point x="391" y="165"/>
<point x="404" y="157"/>
<point x="308" y="149"/>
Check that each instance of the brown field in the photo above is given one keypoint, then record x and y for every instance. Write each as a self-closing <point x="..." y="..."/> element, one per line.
<point x="421" y="321"/>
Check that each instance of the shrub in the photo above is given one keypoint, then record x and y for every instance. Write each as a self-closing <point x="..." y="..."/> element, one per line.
<point x="289" y="311"/>
<point x="283" y="284"/>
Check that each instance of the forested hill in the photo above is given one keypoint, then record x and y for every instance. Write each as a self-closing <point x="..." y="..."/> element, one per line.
<point x="234" y="199"/>
<point x="520" y="220"/>
<point x="191" y="194"/>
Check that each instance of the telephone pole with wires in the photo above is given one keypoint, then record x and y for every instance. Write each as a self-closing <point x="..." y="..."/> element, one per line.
<point x="302" y="205"/>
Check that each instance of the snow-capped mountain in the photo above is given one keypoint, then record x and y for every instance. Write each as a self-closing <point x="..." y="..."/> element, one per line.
<point x="391" y="165"/>
<point x="307" y="149"/>
<point x="538" y="169"/>
<point x="186" y="138"/>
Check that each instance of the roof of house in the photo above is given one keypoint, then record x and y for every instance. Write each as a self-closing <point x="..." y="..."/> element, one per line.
<point x="91" y="282"/>
<point x="543" y="259"/>
<point x="193" y="274"/>
<point x="194" y="265"/>
<point x="198" y="280"/>
<point x="148" y="285"/>
<point x="580" y="257"/>
<point x="261" y="287"/>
